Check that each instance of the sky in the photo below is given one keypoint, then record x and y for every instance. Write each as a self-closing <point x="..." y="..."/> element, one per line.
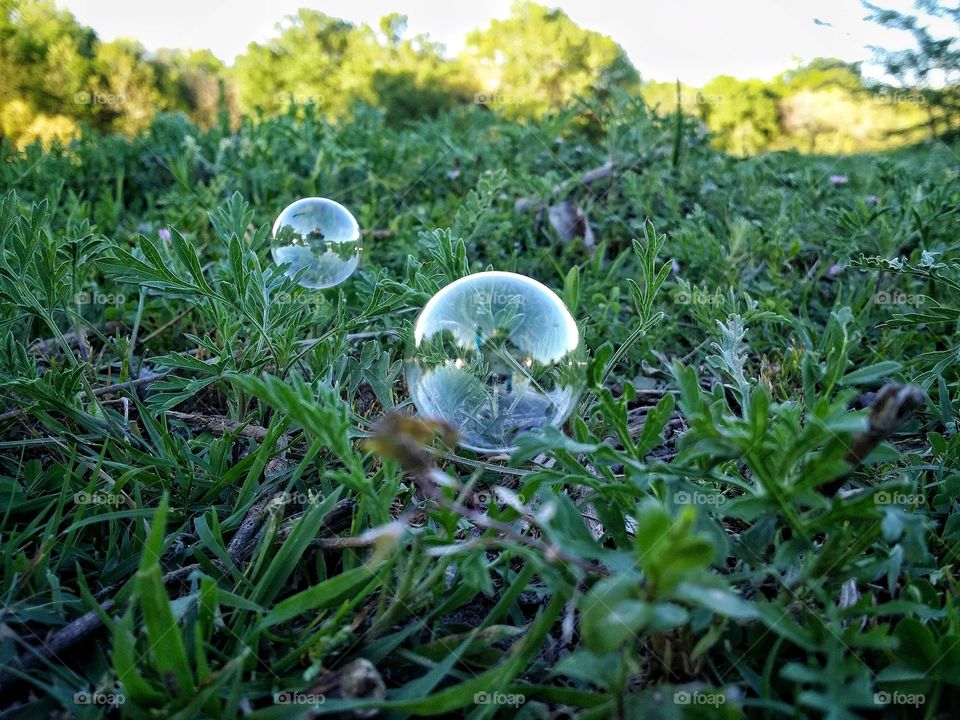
<point x="693" y="40"/>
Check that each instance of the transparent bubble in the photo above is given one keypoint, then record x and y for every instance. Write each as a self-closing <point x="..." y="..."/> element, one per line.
<point x="495" y="354"/>
<point x="320" y="235"/>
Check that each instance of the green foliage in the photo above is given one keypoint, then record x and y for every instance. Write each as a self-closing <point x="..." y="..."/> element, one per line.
<point x="334" y="65"/>
<point x="538" y="59"/>
<point x="824" y="107"/>
<point x="186" y="464"/>
<point x="744" y="116"/>
<point x="930" y="67"/>
<point x="57" y="78"/>
<point x="533" y="61"/>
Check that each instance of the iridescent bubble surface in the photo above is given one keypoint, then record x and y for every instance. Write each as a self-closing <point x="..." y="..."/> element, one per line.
<point x="495" y="354"/>
<point x="320" y="235"/>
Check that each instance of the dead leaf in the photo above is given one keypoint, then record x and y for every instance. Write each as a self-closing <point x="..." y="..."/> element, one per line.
<point x="569" y="222"/>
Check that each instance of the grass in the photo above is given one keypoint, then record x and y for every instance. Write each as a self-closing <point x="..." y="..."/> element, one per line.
<point x="209" y="509"/>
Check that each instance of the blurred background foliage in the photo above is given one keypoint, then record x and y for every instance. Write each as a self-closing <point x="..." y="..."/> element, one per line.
<point x="58" y="78"/>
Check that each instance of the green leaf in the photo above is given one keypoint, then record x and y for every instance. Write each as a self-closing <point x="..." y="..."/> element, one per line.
<point x="329" y="593"/>
<point x="778" y="619"/>
<point x="166" y="643"/>
<point x="597" y="668"/>
<point x="871" y="373"/>
<point x="571" y="289"/>
<point x="720" y="601"/>
<point x="612" y="614"/>
<point x="285" y="561"/>
<point x="916" y="644"/>
<point x="461" y="695"/>
<point x="125" y="663"/>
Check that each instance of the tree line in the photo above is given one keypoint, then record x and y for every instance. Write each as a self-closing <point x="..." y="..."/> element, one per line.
<point x="57" y="78"/>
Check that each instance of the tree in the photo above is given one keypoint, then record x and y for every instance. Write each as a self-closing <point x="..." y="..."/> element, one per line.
<point x="822" y="74"/>
<point x="539" y="58"/>
<point x="46" y="63"/>
<point x="826" y="106"/>
<point x="193" y="82"/>
<point x="335" y="64"/>
<point x="413" y="78"/>
<point x="303" y="63"/>
<point x="46" y="58"/>
<point x="55" y="74"/>
<point x="932" y="66"/>
<point x="743" y="114"/>
<point x="127" y="86"/>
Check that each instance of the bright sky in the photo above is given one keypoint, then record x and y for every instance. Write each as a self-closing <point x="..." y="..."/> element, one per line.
<point x="694" y="40"/>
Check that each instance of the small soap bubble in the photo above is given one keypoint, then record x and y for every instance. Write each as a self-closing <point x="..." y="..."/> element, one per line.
<point x="495" y="354"/>
<point x="320" y="235"/>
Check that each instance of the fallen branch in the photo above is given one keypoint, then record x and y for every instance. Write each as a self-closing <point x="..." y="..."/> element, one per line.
<point x="219" y="425"/>
<point x="72" y="339"/>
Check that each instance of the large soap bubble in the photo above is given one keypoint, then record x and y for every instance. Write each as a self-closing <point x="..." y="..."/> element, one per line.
<point x="495" y="354"/>
<point x="320" y="235"/>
